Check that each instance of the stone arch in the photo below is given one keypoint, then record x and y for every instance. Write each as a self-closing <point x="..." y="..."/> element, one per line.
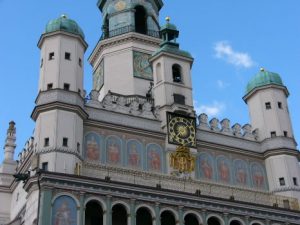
<point x="152" y="211"/>
<point x="236" y="219"/>
<point x="198" y="216"/>
<point x="216" y="216"/>
<point x="94" y="213"/>
<point x="66" y="194"/>
<point x="177" y="73"/>
<point x="145" y="215"/>
<point x="166" y="221"/>
<point x="141" y="18"/>
<point x="256" y="222"/>
<point x="120" y="211"/>
<point x="99" y="200"/>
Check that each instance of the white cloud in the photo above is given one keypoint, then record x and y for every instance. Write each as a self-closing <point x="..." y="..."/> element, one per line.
<point x="212" y="110"/>
<point x="223" y="50"/>
<point x="222" y="84"/>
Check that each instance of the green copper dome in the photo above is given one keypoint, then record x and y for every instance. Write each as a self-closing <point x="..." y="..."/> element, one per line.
<point x="169" y="26"/>
<point x="64" y="24"/>
<point x="264" y="78"/>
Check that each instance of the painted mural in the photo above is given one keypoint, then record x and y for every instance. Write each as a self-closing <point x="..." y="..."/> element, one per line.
<point x="241" y="175"/>
<point x="92" y="147"/>
<point x="134" y="153"/>
<point x="154" y="158"/>
<point x="114" y="150"/>
<point x="206" y="166"/>
<point x="141" y="66"/>
<point x="258" y="176"/>
<point x="223" y="169"/>
<point x="64" y="211"/>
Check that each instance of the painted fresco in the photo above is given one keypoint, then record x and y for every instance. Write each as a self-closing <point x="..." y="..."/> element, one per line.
<point x="141" y="66"/>
<point x="64" y="211"/>
<point x="206" y="166"/>
<point x="134" y="154"/>
<point x="241" y="175"/>
<point x="98" y="77"/>
<point x="258" y="176"/>
<point x="154" y="158"/>
<point x="223" y="168"/>
<point x="114" y="150"/>
<point x="92" y="147"/>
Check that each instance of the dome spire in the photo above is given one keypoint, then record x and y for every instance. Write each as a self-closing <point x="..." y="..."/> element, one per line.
<point x="10" y="142"/>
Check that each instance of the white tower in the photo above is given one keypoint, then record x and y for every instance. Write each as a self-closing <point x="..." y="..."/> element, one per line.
<point x="59" y="106"/>
<point x="121" y="58"/>
<point x="9" y="165"/>
<point x="267" y="100"/>
<point x="172" y="75"/>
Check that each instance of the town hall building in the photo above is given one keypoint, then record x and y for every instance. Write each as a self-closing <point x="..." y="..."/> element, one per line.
<point x="133" y="151"/>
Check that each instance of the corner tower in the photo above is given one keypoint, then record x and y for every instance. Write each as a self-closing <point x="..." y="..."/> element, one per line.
<point x="266" y="97"/>
<point x="130" y="35"/>
<point x="59" y="107"/>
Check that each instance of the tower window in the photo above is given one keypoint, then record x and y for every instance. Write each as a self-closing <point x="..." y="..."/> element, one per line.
<point x="268" y="105"/>
<point x="279" y="105"/>
<point x="51" y="55"/>
<point x="78" y="147"/>
<point x="49" y="86"/>
<point x="176" y="70"/>
<point x="46" y="142"/>
<point x="281" y="181"/>
<point x="273" y="134"/>
<point x="66" y="86"/>
<point x="45" y="166"/>
<point x="140" y="20"/>
<point x="80" y="62"/>
<point x="295" y="181"/>
<point x="179" y="99"/>
<point x="42" y="62"/>
<point x="285" y="133"/>
<point x="67" y="55"/>
<point x="65" y="142"/>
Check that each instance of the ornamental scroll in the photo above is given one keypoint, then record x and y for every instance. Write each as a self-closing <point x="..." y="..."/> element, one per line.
<point x="182" y="160"/>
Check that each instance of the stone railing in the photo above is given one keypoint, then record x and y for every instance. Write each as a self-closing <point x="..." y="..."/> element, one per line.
<point x="224" y="127"/>
<point x="189" y="186"/>
<point x="129" y="104"/>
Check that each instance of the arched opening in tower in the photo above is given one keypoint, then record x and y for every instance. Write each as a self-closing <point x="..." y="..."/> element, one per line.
<point x="167" y="218"/>
<point x="143" y="217"/>
<point x="235" y="222"/>
<point x="191" y="219"/>
<point x="176" y="70"/>
<point x="93" y="213"/>
<point x="119" y="215"/>
<point x="140" y="20"/>
<point x="213" y="221"/>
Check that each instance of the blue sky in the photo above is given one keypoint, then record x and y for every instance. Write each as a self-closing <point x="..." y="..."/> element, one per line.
<point x="230" y="41"/>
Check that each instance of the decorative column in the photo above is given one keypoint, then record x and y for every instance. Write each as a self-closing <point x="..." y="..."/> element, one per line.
<point x="45" y="207"/>
<point x="132" y="212"/>
<point x="225" y="218"/>
<point x="108" y="210"/>
<point x="157" y="213"/>
<point x="247" y="220"/>
<point x="180" y="214"/>
<point x="82" y="209"/>
<point x="204" y="215"/>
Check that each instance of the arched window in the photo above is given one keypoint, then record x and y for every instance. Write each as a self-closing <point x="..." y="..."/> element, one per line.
<point x="213" y="221"/>
<point x="143" y="216"/>
<point x="158" y="72"/>
<point x="167" y="218"/>
<point x="235" y="222"/>
<point x="140" y="20"/>
<point x="191" y="219"/>
<point x="119" y="215"/>
<point x="93" y="214"/>
<point x="177" y="76"/>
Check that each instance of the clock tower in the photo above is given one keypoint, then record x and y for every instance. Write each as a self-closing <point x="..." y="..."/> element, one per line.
<point x="130" y="36"/>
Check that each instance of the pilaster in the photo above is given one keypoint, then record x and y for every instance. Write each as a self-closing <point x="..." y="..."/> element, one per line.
<point x="45" y="207"/>
<point x="108" y="210"/>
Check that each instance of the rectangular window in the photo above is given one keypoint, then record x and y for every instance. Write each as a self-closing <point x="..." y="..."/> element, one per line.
<point x="179" y="99"/>
<point x="46" y="142"/>
<point x="65" y="142"/>
<point x="295" y="181"/>
<point x="80" y="62"/>
<point x="78" y="147"/>
<point x="286" y="204"/>
<point x="49" y="86"/>
<point x="268" y="105"/>
<point x="45" y="166"/>
<point x="51" y="55"/>
<point x="285" y="133"/>
<point x="66" y="86"/>
<point x="67" y="55"/>
<point x="281" y="181"/>
<point x="42" y="63"/>
<point x="279" y="105"/>
<point x="273" y="134"/>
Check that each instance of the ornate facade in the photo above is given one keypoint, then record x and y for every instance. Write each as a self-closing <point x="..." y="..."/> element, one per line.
<point x="133" y="151"/>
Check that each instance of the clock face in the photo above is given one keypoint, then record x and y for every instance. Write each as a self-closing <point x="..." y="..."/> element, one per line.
<point x="181" y="130"/>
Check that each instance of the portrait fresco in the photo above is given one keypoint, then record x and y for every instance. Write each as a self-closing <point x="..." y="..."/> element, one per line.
<point x="258" y="176"/>
<point x="141" y="66"/>
<point x="134" y="154"/>
<point x="223" y="169"/>
<point x="92" y="146"/>
<point x="114" y="150"/>
<point x="206" y="166"/>
<point x="240" y="172"/>
<point x="154" y="157"/>
<point x="64" y="211"/>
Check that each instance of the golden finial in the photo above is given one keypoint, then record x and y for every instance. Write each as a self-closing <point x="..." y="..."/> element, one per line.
<point x="64" y="16"/>
<point x="168" y="19"/>
<point x="262" y="69"/>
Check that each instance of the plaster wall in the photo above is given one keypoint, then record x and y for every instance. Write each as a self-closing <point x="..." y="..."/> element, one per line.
<point x="5" y="207"/>
<point x="32" y="207"/>
<point x="18" y="200"/>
